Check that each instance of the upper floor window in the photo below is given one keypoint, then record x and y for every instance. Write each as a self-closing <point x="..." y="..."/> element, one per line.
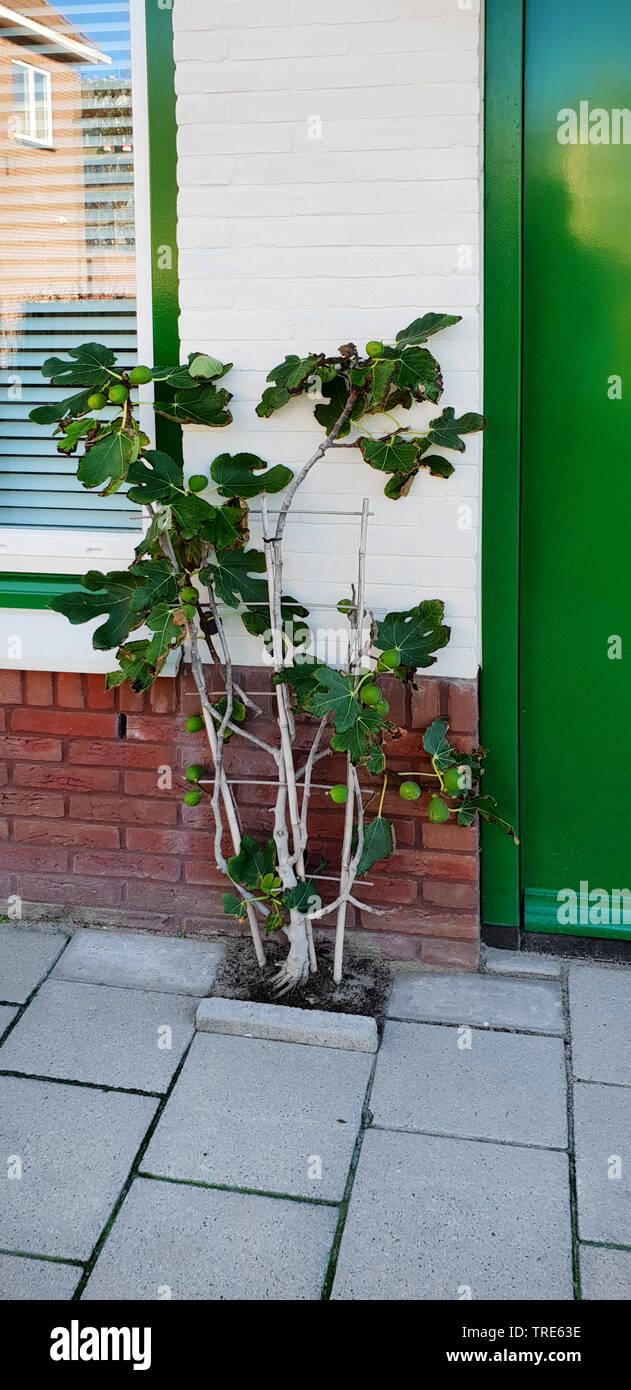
<point x="32" y="103"/>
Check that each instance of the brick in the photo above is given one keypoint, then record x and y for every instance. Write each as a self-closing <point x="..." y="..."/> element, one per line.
<point x="421" y="863"/>
<point x="154" y="729"/>
<point x="459" y="838"/>
<point x="42" y="750"/>
<point x="16" y="802"/>
<point x="68" y="891"/>
<point x="4" y="774"/>
<point x="146" y="784"/>
<point x="126" y="809"/>
<point x="39" y="688"/>
<point x="425" y="703"/>
<point x="421" y="919"/>
<point x="454" y="955"/>
<point x="97" y="697"/>
<point x="119" y="753"/>
<point x="463" y="707"/>
<point x="65" y="832"/>
<point x="10" y="687"/>
<point x="66" y="778"/>
<point x="130" y="701"/>
<point x="446" y="894"/>
<point x="142" y="838"/>
<point x="200" y="870"/>
<point x="93" y="864"/>
<point x="38" y="859"/>
<point x="162" y="696"/>
<point x="4" y="829"/>
<point x="405" y="830"/>
<point x="408" y="746"/>
<point x="174" y="898"/>
<point x="395" y="692"/>
<point x="69" y="690"/>
<point x="387" y="890"/>
<point x="79" y="724"/>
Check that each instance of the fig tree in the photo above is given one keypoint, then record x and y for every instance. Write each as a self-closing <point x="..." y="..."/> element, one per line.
<point x="410" y="791"/>
<point x="339" y="794"/>
<point x="438" y="812"/>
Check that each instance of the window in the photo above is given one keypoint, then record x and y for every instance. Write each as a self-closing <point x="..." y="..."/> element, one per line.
<point x="70" y="232"/>
<point x="32" y="103"/>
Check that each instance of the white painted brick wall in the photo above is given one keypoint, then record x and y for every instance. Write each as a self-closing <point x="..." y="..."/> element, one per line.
<point x="289" y="244"/>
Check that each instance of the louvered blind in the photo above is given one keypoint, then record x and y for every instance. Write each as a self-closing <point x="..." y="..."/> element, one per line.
<point x="67" y="253"/>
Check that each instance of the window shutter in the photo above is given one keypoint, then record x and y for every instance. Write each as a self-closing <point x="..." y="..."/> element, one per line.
<point x="38" y="485"/>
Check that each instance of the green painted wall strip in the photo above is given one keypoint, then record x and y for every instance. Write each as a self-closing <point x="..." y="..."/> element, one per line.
<point x="163" y="199"/>
<point x="500" y="522"/>
<point x="33" y="590"/>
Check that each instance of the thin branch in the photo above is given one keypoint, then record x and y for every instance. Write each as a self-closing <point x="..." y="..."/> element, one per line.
<point x="300" y="476"/>
<point x="349" y="864"/>
<point x="209" y="714"/>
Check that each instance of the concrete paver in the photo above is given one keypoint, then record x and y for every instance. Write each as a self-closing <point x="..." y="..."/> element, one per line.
<point x="602" y="1131"/>
<point x="112" y="1037"/>
<point x="462" y="1186"/>
<point x="282" y="1023"/>
<point x="171" y="1240"/>
<point x="36" y="1280"/>
<point x="70" y="1149"/>
<point x="521" y="963"/>
<point x="132" y="960"/>
<point x="600" y="1011"/>
<point x="6" y="1015"/>
<point x="426" y="1079"/>
<point x="221" y="1125"/>
<point x="26" y="956"/>
<point x="605" y="1273"/>
<point x="478" y="999"/>
<point x="434" y="1218"/>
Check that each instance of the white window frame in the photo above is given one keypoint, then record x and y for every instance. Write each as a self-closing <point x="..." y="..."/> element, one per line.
<point x="30" y="139"/>
<point x="70" y="550"/>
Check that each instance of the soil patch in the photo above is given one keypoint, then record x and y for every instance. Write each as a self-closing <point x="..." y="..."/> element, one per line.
<point x="364" y="989"/>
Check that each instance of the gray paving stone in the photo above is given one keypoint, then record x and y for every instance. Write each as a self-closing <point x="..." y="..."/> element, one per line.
<point x="26" y="956"/>
<point x="521" y="963"/>
<point x="431" y="1218"/>
<point x="133" y="961"/>
<point x="195" y="1243"/>
<point x="605" y="1273"/>
<point x="600" y="1012"/>
<point x="76" y="1146"/>
<point x="36" y="1280"/>
<point x="351" y="1032"/>
<point x="114" y="1037"/>
<point x="481" y="999"/>
<point x="265" y="1115"/>
<point x="491" y="1090"/>
<point x="6" y="1015"/>
<point x="602" y="1131"/>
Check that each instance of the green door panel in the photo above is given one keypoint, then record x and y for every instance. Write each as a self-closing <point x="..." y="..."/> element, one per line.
<point x="575" y="701"/>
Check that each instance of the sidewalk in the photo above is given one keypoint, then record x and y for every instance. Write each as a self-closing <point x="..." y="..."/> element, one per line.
<point x="487" y="1154"/>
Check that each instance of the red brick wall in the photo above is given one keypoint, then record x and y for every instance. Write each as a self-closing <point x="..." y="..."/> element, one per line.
<point x="87" y="831"/>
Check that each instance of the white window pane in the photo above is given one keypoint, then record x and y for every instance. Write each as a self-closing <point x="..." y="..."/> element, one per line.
<point x="67" y="258"/>
<point x="20" y="99"/>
